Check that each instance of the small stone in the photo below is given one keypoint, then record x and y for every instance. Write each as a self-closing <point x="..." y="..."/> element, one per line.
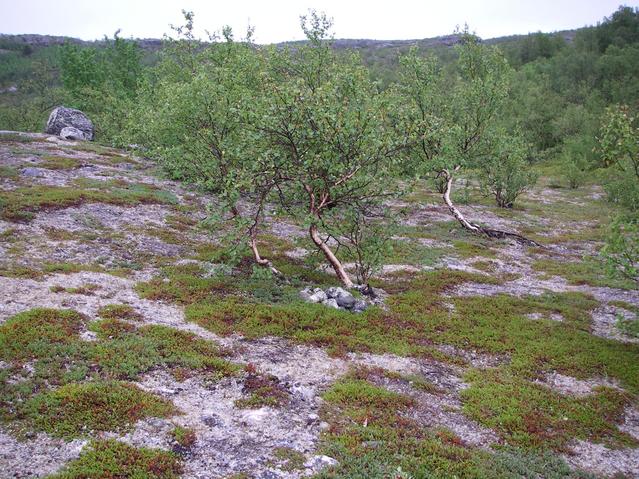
<point x="312" y="418"/>
<point x="211" y="421"/>
<point x="317" y="463"/>
<point x="72" y="133"/>
<point x="315" y="295"/>
<point x="359" y="306"/>
<point x="306" y="394"/>
<point x="331" y="303"/>
<point x="336" y="292"/>
<point x="346" y="301"/>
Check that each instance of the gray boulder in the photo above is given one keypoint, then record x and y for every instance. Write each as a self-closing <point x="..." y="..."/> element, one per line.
<point x="359" y="306"/>
<point x="331" y="303"/>
<point x="346" y="301"/>
<point x="315" y="295"/>
<point x="317" y="463"/>
<point x="62" y="117"/>
<point x="336" y="292"/>
<point x="72" y="133"/>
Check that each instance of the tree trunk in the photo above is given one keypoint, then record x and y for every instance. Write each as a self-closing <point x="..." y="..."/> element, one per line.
<point x="332" y="259"/>
<point x="262" y="261"/>
<point x="474" y="227"/>
<point x="453" y="209"/>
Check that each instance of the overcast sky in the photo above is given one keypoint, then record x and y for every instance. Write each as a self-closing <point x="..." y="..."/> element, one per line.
<point x="277" y="21"/>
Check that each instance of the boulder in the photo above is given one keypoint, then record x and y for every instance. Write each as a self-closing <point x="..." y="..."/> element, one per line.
<point x="331" y="303"/>
<point x="346" y="301"/>
<point x="317" y="463"/>
<point x="62" y="117"/>
<point x="359" y="306"/>
<point x="72" y="133"/>
<point x="315" y="295"/>
<point x="336" y="292"/>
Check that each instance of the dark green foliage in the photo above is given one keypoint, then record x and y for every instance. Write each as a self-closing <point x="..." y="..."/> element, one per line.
<point x="110" y="459"/>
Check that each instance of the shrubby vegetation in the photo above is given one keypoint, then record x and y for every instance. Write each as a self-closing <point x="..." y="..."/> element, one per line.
<point x="316" y="132"/>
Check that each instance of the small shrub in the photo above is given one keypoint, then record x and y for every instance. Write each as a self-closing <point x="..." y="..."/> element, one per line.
<point x="183" y="437"/>
<point x="119" y="311"/>
<point x="78" y="409"/>
<point x="508" y="174"/>
<point x="110" y="459"/>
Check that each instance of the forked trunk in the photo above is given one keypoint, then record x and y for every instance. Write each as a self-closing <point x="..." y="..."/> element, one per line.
<point x="330" y="256"/>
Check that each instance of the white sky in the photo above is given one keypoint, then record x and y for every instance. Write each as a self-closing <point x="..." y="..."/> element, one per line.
<point x="277" y="20"/>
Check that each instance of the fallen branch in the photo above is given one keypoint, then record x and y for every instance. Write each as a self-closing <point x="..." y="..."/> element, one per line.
<point x="474" y="227"/>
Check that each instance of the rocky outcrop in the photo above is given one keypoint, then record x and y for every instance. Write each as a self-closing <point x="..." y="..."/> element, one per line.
<point x="69" y="123"/>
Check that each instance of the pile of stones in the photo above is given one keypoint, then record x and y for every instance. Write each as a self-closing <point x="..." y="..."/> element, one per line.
<point x="335" y="297"/>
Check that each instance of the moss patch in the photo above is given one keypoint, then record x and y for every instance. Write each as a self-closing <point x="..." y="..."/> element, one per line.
<point x="119" y="311"/>
<point x="126" y="353"/>
<point x="38" y="333"/>
<point x="531" y="415"/>
<point x="111" y="459"/>
<point x="21" y="204"/>
<point x="588" y="271"/>
<point x="80" y="409"/>
<point x="51" y="368"/>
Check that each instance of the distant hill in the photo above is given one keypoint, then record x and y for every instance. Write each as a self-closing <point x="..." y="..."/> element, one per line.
<point x="36" y="40"/>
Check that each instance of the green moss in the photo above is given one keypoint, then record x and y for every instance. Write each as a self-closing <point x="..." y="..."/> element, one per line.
<point x="49" y="341"/>
<point x="37" y="333"/>
<point x="588" y="271"/>
<point x="372" y="436"/>
<point x="289" y="459"/>
<point x="9" y="172"/>
<point x="52" y="162"/>
<point x="128" y="353"/>
<point x="119" y="311"/>
<point x="58" y="234"/>
<point x="414" y="253"/>
<point x="183" y="436"/>
<point x="629" y="326"/>
<point x="24" y="272"/>
<point x="529" y="415"/>
<point x="262" y="390"/>
<point x="474" y="247"/>
<point x="78" y="409"/>
<point x="110" y="459"/>
<point x="17" y="137"/>
<point x="21" y="203"/>
<point x="184" y="285"/>
<point x="362" y="394"/>
<point x="374" y="330"/>
<point x="86" y="289"/>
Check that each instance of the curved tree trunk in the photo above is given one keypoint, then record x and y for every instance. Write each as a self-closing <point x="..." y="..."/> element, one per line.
<point x="263" y="261"/>
<point x="330" y="256"/>
<point x="474" y="227"/>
